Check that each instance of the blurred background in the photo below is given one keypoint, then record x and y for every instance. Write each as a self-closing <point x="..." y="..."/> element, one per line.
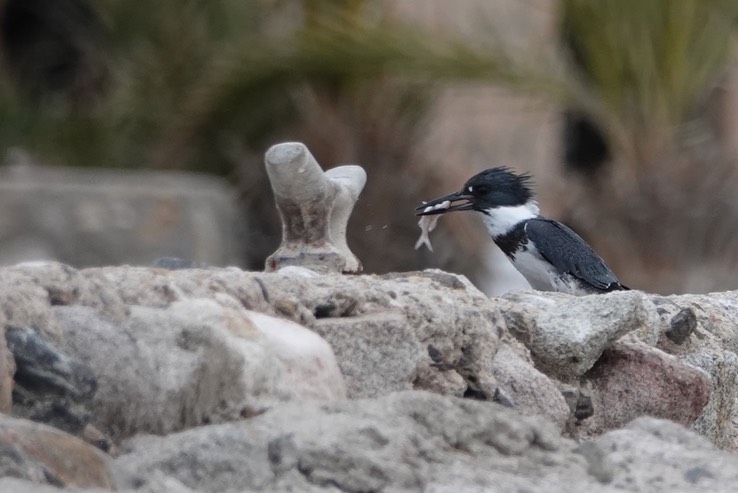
<point x="131" y="131"/>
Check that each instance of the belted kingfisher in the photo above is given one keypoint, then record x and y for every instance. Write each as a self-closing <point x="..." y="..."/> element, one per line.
<point x="550" y="256"/>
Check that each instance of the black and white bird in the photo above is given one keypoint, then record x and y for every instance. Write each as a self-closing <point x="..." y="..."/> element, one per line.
<point x="550" y="256"/>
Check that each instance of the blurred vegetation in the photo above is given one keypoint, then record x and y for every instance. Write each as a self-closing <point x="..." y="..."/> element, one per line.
<point x="207" y="85"/>
<point x="653" y="72"/>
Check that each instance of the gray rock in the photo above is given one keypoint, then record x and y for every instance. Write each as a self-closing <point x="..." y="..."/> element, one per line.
<point x="531" y="392"/>
<point x="194" y="362"/>
<point x="421" y="309"/>
<point x="415" y="441"/>
<point x="418" y="330"/>
<point x="569" y="335"/>
<point x="718" y="419"/>
<point x="652" y="455"/>
<point x="410" y="441"/>
<point x="384" y="343"/>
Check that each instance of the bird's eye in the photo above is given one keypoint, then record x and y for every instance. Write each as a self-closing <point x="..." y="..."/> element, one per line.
<point x="481" y="190"/>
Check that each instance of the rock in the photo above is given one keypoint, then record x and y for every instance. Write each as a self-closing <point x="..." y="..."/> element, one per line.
<point x="310" y="367"/>
<point x="718" y="419"/>
<point x="41" y="454"/>
<point x="50" y="387"/>
<point x="416" y="441"/>
<point x="194" y="362"/>
<point x="408" y="441"/>
<point x="681" y="326"/>
<point x="656" y="455"/>
<point x="633" y="380"/>
<point x="383" y="343"/>
<point x="531" y="392"/>
<point x="711" y="347"/>
<point x="414" y="310"/>
<point x="567" y="337"/>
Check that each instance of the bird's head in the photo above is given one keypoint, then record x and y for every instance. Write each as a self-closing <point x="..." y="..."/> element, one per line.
<point x="484" y="192"/>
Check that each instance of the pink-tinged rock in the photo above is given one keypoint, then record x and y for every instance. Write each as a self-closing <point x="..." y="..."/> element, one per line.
<point x="309" y="362"/>
<point x="632" y="380"/>
<point x="43" y="454"/>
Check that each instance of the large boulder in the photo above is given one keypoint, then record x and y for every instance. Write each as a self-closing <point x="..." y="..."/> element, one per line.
<point x="197" y="361"/>
<point x="417" y="441"/>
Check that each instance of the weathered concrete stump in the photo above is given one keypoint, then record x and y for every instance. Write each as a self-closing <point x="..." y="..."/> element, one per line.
<point x="315" y="207"/>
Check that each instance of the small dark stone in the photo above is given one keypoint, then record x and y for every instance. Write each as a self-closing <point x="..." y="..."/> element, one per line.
<point x="694" y="474"/>
<point x="50" y="387"/>
<point x="61" y="297"/>
<point x="476" y="394"/>
<point x="282" y="453"/>
<point x="502" y="399"/>
<point x="435" y="354"/>
<point x="325" y="310"/>
<point x="584" y="408"/>
<point x="682" y="325"/>
<point x="439" y="360"/>
<point x="39" y="365"/>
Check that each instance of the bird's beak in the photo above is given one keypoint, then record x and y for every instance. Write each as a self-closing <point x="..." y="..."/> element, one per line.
<point x="446" y="204"/>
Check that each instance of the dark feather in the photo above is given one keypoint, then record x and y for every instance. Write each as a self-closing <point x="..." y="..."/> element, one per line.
<point x="568" y="252"/>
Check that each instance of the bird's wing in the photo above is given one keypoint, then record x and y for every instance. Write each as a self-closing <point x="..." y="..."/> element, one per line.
<point x="568" y="252"/>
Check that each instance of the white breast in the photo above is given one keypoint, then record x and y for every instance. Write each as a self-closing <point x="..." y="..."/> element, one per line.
<point x="543" y="276"/>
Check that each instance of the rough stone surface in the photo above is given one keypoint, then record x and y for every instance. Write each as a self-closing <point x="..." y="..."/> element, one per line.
<point x="569" y="336"/>
<point x="236" y="361"/>
<point x="194" y="362"/>
<point x="42" y="454"/>
<point x="415" y="441"/>
<point x="656" y="455"/>
<point x="530" y="391"/>
<point x="310" y="367"/>
<point x="414" y="310"/>
<point x="402" y="442"/>
<point x="632" y="380"/>
<point x="712" y="347"/>
<point x="383" y="343"/>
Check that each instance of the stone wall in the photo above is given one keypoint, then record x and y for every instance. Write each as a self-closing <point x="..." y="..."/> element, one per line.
<point x="103" y="217"/>
<point x="223" y="380"/>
